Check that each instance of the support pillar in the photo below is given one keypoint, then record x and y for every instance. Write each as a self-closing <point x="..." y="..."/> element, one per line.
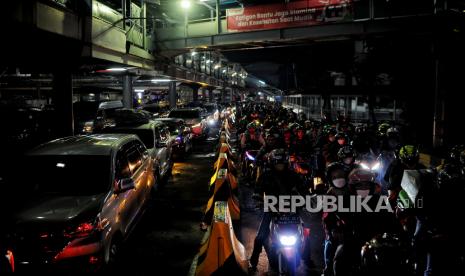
<point x="172" y="94"/>
<point x="195" y="93"/>
<point x="63" y="101"/>
<point x="127" y="91"/>
<point x="218" y="17"/>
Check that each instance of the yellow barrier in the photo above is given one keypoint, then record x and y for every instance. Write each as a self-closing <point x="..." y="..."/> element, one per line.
<point x="221" y="251"/>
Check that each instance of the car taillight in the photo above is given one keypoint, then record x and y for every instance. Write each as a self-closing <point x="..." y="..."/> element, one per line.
<point x="82" y="230"/>
<point x="11" y="259"/>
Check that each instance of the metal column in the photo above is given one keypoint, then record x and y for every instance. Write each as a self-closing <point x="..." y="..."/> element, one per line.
<point x="127" y="91"/>
<point x="195" y="93"/>
<point x="63" y="101"/>
<point x="172" y="94"/>
<point x="218" y="17"/>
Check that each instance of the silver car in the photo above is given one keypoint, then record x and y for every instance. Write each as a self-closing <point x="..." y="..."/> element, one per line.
<point x="84" y="196"/>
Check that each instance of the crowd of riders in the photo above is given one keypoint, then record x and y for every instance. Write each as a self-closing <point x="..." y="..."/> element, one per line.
<point x="284" y="152"/>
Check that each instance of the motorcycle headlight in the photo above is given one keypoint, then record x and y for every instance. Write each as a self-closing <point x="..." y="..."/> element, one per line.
<point x="288" y="240"/>
<point x="211" y="122"/>
<point x="376" y="166"/>
<point x="364" y="166"/>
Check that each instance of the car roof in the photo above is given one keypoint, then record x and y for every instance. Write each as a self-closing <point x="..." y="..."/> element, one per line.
<point x="187" y="109"/>
<point x="95" y="144"/>
<point x="176" y="120"/>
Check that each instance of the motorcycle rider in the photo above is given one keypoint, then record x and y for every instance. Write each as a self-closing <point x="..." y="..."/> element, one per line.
<point x="331" y="149"/>
<point x="278" y="180"/>
<point x="301" y="145"/>
<point x="332" y="221"/>
<point x="252" y="138"/>
<point x="409" y="157"/>
<point x="346" y="156"/>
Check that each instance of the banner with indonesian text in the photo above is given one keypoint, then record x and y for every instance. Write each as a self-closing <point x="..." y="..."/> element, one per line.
<point x="293" y="14"/>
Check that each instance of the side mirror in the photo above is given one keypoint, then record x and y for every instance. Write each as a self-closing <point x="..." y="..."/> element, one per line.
<point x="124" y="184"/>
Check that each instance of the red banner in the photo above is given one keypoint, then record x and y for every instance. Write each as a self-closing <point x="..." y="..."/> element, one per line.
<point x="299" y="13"/>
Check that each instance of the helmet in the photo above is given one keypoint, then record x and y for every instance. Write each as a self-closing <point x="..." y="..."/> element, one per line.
<point x="335" y="171"/>
<point x="386" y="254"/>
<point x="409" y="154"/>
<point x="251" y="125"/>
<point x="455" y="152"/>
<point x="278" y="156"/>
<point x="392" y="132"/>
<point x="345" y="152"/>
<point x="382" y="128"/>
<point x="449" y="178"/>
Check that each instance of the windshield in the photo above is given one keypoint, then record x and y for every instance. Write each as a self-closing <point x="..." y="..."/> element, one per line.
<point x="69" y="174"/>
<point x="185" y="114"/>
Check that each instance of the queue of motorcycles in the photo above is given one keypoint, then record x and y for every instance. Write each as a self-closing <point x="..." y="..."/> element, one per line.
<point x="388" y="253"/>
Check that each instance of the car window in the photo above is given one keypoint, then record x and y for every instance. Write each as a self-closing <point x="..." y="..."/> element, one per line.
<point x="122" y="166"/>
<point x="165" y="134"/>
<point x="134" y="157"/>
<point x="142" y="149"/>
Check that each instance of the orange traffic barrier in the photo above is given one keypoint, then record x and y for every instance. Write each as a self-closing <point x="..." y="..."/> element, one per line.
<point x="221" y="253"/>
<point x="222" y="190"/>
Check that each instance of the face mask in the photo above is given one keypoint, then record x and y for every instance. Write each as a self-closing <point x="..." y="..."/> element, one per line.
<point x="348" y="160"/>
<point x="339" y="182"/>
<point x="363" y="193"/>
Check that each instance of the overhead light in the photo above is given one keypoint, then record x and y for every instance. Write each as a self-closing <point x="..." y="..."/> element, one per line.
<point x="139" y="90"/>
<point x="193" y="53"/>
<point x="160" y="80"/>
<point x="261" y="82"/>
<point x="185" y="4"/>
<point x="216" y="66"/>
<point x="234" y="74"/>
<point x="224" y="71"/>
<point x="116" y="69"/>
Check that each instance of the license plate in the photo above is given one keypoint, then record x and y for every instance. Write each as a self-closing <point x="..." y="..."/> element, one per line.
<point x="288" y="220"/>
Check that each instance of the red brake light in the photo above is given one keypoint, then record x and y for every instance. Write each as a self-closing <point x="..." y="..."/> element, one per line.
<point x="83" y="230"/>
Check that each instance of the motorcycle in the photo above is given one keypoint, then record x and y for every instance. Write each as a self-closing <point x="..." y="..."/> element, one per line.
<point x="304" y="167"/>
<point x="249" y="167"/>
<point x="288" y="237"/>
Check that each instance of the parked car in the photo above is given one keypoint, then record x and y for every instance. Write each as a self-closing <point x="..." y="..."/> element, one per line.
<point x="181" y="136"/>
<point x="193" y="118"/>
<point x="156" y="138"/>
<point x="82" y="196"/>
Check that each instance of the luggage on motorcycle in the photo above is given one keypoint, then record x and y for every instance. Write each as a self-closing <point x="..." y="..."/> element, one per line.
<point x="413" y="182"/>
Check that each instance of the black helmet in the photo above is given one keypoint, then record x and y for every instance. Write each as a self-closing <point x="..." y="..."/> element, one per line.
<point x="345" y="152"/>
<point x="278" y="156"/>
<point x="455" y="152"/>
<point x="385" y="254"/>
<point x="333" y="171"/>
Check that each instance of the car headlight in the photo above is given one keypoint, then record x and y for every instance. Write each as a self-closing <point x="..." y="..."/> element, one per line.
<point x="288" y="240"/>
